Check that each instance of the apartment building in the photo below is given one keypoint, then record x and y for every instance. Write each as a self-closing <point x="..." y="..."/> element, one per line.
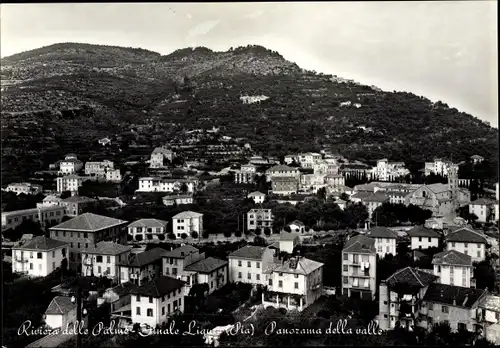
<point x="39" y="257"/>
<point x="282" y="171"/>
<point x="284" y="185"/>
<point x="246" y="174"/>
<point x="389" y="171"/>
<point x="103" y="258"/>
<point x="178" y="199"/>
<point x="145" y="227"/>
<point x="187" y="222"/>
<point x="374" y="201"/>
<point x="98" y="168"/>
<point x="113" y="175"/>
<point x="76" y="205"/>
<point x="70" y="165"/>
<point x="295" y="284"/>
<point x="453" y="268"/>
<point x="160" y="156"/>
<point x="483" y="208"/>
<point x="385" y="240"/>
<point x="88" y="229"/>
<point x="488" y="317"/>
<point x="49" y="201"/>
<point x="249" y="264"/>
<point x="359" y="267"/>
<point x="259" y="218"/>
<point x="25" y="188"/>
<point x="423" y="238"/>
<point x="154" y="302"/>
<point x="156" y="184"/>
<point x="288" y="241"/>
<point x="210" y="271"/>
<point x="140" y="268"/>
<point x="307" y="160"/>
<point x="467" y="241"/>
<point x="42" y="215"/>
<point x="257" y="197"/>
<point x="438" y="166"/>
<point x="69" y="183"/>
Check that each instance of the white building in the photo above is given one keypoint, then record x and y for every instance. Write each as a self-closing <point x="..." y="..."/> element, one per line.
<point x="483" y="208"/>
<point x="295" y="284"/>
<point x="307" y="160"/>
<point x="453" y="268"/>
<point x="103" y="259"/>
<point x="374" y="201"/>
<point x="70" y="165"/>
<point x="476" y="159"/>
<point x="154" y="302"/>
<point x="258" y="197"/>
<point x="42" y="215"/>
<point x="210" y="271"/>
<point x="288" y="241"/>
<point x="438" y="167"/>
<point x="187" y="222"/>
<point x="489" y="315"/>
<point x="60" y="312"/>
<point x="388" y="171"/>
<point x="249" y="264"/>
<point x="469" y="242"/>
<point x="159" y="155"/>
<point x="69" y="183"/>
<point x="39" y="257"/>
<point x="359" y="268"/>
<point x="140" y="268"/>
<point x="423" y="238"/>
<point x="297" y="226"/>
<point x="146" y="227"/>
<point x="98" y="168"/>
<point x="24" y="187"/>
<point x="246" y="174"/>
<point x="178" y="199"/>
<point x="385" y="241"/>
<point x="282" y="171"/>
<point x="259" y="218"/>
<point x="113" y="175"/>
<point x="154" y="184"/>
<point x="50" y="201"/>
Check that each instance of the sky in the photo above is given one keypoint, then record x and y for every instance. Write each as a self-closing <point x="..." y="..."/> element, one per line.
<point x="443" y="50"/>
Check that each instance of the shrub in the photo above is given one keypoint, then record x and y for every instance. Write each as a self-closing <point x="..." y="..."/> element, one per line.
<point x="267" y="231"/>
<point x="316" y="228"/>
<point x="171" y="236"/>
<point x="247" y="232"/>
<point x="184" y="236"/>
<point x="329" y="227"/>
<point x="227" y="234"/>
<point x="237" y="233"/>
<point x="205" y="235"/>
<point x="138" y="237"/>
<point x="161" y="237"/>
<point x="194" y="234"/>
<point x="287" y="229"/>
<point x="129" y="237"/>
<point x="257" y="231"/>
<point x="149" y="236"/>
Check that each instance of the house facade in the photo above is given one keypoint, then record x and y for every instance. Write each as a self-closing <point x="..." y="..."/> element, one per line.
<point x="423" y="238"/>
<point x="145" y="227"/>
<point x="257" y="197"/>
<point x="483" y="208"/>
<point x="469" y="242"/>
<point x="187" y="222"/>
<point x="284" y="185"/>
<point x="140" y="268"/>
<point x="385" y="241"/>
<point x="489" y="317"/>
<point x="246" y="174"/>
<point x="24" y="187"/>
<point x="156" y="184"/>
<point x="178" y="199"/>
<point x="76" y="205"/>
<point x="249" y="264"/>
<point x="453" y="268"/>
<point x="69" y="183"/>
<point x="60" y="312"/>
<point x="159" y="156"/>
<point x="42" y="215"/>
<point x="259" y="218"/>
<point x="103" y="259"/>
<point x="39" y="257"/>
<point x="70" y="165"/>
<point x="98" y="168"/>
<point x="282" y="171"/>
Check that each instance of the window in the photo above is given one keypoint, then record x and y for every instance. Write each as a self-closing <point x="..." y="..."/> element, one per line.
<point x="175" y="304"/>
<point x="280" y="283"/>
<point x="85" y="235"/>
<point x="346" y="268"/>
<point x="108" y="259"/>
<point x="452" y="244"/>
<point x="108" y="270"/>
<point x="138" y="298"/>
<point x="281" y="274"/>
<point x="239" y="275"/>
<point x="98" y="269"/>
<point x="174" y="271"/>
<point x="444" y="309"/>
<point x="258" y="276"/>
<point x="179" y="302"/>
<point x="249" y="275"/>
<point x="429" y="240"/>
<point x="168" y="308"/>
<point x="462" y="326"/>
<point x="296" y="285"/>
<point x="345" y="280"/>
<point x="479" y="253"/>
<point x="239" y="263"/>
<point x="257" y="264"/>
<point x="346" y="257"/>
<point x="31" y="254"/>
<point x="150" y="299"/>
<point x="295" y="275"/>
<point x="385" y="302"/>
<point x="162" y="310"/>
<point x="385" y="315"/>
<point x="39" y="256"/>
<point x="31" y="266"/>
<point x="86" y="245"/>
<point x="419" y="239"/>
<point x="53" y="253"/>
<point x="465" y="245"/>
<point x="439" y="269"/>
<point x="149" y="312"/>
<point x="249" y="264"/>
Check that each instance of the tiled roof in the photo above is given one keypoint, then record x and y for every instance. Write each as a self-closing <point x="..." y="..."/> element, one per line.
<point x="149" y="223"/>
<point x="106" y="248"/>
<point x="79" y="199"/>
<point x="158" y="287"/>
<point x="52" y="198"/>
<point x="88" y="222"/>
<point x="421" y="231"/>
<point x="161" y="150"/>
<point x="360" y="244"/>
<point x="491" y="303"/>
<point x="382" y="232"/>
<point x="452" y="257"/>
<point x="207" y="265"/>
<point x="187" y="215"/>
<point x="144" y="258"/>
<point x="412" y="277"/>
<point x="438" y="187"/>
<point x="361" y="195"/>
<point x="256" y="193"/>
<point x="284" y="179"/>
<point x="455" y="296"/>
<point x="41" y="243"/>
<point x="60" y="305"/>
<point x="482" y="201"/>
<point x="304" y="266"/>
<point x="123" y="289"/>
<point x="466" y="235"/>
<point x="249" y="252"/>
<point x="296" y="222"/>
<point x="287" y="236"/>
<point x="376" y="197"/>
<point x="181" y="252"/>
<point x="282" y="168"/>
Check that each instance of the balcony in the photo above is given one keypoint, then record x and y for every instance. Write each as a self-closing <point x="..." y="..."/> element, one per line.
<point x="21" y="259"/>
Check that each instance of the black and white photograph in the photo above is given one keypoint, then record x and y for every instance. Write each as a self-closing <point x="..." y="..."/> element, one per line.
<point x="250" y="174"/>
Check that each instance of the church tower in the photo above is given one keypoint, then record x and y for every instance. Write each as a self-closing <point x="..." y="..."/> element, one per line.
<point x="453" y="182"/>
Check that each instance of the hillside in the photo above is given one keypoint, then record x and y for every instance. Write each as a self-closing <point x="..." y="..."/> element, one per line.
<point x="60" y="97"/>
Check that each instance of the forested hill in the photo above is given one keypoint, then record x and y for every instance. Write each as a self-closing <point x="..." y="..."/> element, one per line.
<point x="112" y="88"/>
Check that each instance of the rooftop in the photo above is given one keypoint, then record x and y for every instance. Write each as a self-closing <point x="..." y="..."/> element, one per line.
<point x="482" y="201"/>
<point x="282" y="168"/>
<point x="41" y="243"/>
<point x="107" y="248"/>
<point x="455" y="296"/>
<point x="255" y="194"/>
<point x="297" y="222"/>
<point x="410" y="276"/>
<point x="303" y="266"/>
<point x="287" y="236"/>
<point x="158" y="287"/>
<point x="88" y="222"/>
<point x="452" y="257"/>
<point x="360" y="244"/>
<point x="187" y="215"/>
<point x="466" y="235"/>
<point x="421" y="231"/>
<point x="491" y="303"/>
<point x="79" y="199"/>
<point x="382" y="232"/>
<point x="60" y="305"/>
<point x="181" y="252"/>
<point x="361" y="195"/>
<point x="249" y="252"/>
<point x="148" y="223"/>
<point x="144" y="258"/>
<point x="207" y="265"/>
<point x="284" y="179"/>
<point x="438" y="187"/>
<point x="376" y="197"/>
<point x="123" y="289"/>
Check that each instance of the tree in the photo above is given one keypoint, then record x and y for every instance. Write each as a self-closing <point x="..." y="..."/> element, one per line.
<point x="227" y="233"/>
<point x="345" y="197"/>
<point x="171" y="236"/>
<point x="356" y="214"/>
<point x="287" y="229"/>
<point x="238" y="233"/>
<point x="205" y="234"/>
<point x="194" y="235"/>
<point x="129" y="237"/>
<point x="138" y="238"/>
<point x="149" y="236"/>
<point x="184" y="188"/>
<point x="257" y="231"/>
<point x="161" y="237"/>
<point x="267" y="231"/>
<point x="65" y="194"/>
<point x="322" y="193"/>
<point x="259" y="241"/>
